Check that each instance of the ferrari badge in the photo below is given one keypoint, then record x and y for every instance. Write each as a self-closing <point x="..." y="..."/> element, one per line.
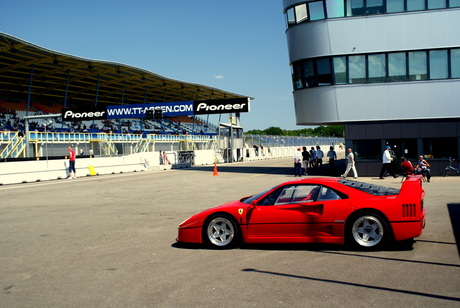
<point x="240" y="211"/>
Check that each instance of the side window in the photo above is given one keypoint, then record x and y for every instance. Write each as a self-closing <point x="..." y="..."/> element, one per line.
<point x="286" y="195"/>
<point x="291" y="194"/>
<point x="298" y="193"/>
<point x="305" y="193"/>
<point x="328" y="194"/>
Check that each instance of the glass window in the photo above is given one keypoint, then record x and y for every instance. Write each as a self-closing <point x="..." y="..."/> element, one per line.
<point x="455" y="63"/>
<point x="304" y="193"/>
<point x="301" y="13"/>
<point x="316" y="10"/>
<point x="327" y="193"/>
<point x="323" y="69"/>
<point x="417" y="65"/>
<point x="440" y="147"/>
<point x="397" y="66"/>
<point x="268" y="200"/>
<point x="309" y="79"/>
<point x="357" y="69"/>
<point x="367" y="149"/>
<point x="340" y="70"/>
<point x="286" y="195"/>
<point x="436" y="4"/>
<point x="374" y="7"/>
<point x="377" y="68"/>
<point x="335" y="8"/>
<point x="297" y="76"/>
<point x="290" y="17"/>
<point x="454" y="3"/>
<point x="355" y="7"/>
<point x="415" y="5"/>
<point x="439" y="67"/>
<point x="395" y="6"/>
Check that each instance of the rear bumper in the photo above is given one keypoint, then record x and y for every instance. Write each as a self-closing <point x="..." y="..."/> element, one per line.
<point x="407" y="230"/>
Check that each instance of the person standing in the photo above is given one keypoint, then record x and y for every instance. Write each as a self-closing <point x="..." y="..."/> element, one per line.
<point x="332" y="155"/>
<point x="319" y="157"/>
<point x="305" y="159"/>
<point x="297" y="163"/>
<point x="386" y="163"/>
<point x="72" y="170"/>
<point x="312" y="157"/>
<point x="350" y="165"/>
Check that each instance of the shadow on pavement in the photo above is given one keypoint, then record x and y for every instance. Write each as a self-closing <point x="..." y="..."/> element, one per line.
<point x="454" y="213"/>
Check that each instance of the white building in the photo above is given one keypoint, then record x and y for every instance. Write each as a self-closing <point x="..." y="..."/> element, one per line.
<point x="389" y="70"/>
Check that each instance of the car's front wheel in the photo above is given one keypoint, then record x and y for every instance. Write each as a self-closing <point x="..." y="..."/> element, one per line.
<point x="220" y="231"/>
<point x="368" y="231"/>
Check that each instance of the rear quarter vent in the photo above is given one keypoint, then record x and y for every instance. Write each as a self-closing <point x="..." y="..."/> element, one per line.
<point x="409" y="210"/>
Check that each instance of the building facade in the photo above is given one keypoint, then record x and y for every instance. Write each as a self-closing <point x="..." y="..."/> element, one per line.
<point x="389" y="70"/>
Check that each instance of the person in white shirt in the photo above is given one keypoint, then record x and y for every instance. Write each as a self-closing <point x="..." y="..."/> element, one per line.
<point x="297" y="163"/>
<point x="386" y="160"/>
<point x="350" y="165"/>
<point x="319" y="157"/>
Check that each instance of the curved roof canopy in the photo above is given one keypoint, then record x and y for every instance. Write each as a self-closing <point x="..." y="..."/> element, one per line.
<point x="54" y="72"/>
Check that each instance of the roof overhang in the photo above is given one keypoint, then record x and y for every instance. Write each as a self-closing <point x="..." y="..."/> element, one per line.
<point x="58" y="78"/>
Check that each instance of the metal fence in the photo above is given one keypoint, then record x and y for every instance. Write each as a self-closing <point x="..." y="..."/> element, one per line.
<point x="290" y="141"/>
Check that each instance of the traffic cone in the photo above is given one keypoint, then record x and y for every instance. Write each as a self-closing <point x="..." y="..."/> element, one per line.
<point x="215" y="170"/>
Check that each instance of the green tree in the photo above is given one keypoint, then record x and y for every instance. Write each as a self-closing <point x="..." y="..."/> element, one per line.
<point x="322" y="131"/>
<point x="274" y="131"/>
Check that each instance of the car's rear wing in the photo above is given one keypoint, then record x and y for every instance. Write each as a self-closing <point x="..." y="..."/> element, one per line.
<point x="412" y="186"/>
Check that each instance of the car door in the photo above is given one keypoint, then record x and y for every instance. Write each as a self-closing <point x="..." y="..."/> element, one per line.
<point x="286" y="213"/>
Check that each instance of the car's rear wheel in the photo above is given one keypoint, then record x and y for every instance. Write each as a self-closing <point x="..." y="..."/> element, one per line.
<point x="368" y="231"/>
<point x="220" y="231"/>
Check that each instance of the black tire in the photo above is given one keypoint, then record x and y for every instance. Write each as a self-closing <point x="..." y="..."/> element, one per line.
<point x="368" y="231"/>
<point x="447" y="172"/>
<point x="220" y="231"/>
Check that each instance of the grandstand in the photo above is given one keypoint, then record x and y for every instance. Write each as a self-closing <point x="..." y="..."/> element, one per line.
<point x="12" y="116"/>
<point x="36" y="80"/>
<point x="37" y="84"/>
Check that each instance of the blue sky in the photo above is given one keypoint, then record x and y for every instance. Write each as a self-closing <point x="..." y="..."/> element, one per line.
<point x="237" y="46"/>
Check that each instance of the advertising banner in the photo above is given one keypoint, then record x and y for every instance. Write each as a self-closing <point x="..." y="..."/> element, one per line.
<point x="216" y="106"/>
<point x="171" y="109"/>
<point x="84" y="114"/>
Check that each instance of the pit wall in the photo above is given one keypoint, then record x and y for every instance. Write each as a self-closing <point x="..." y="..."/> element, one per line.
<point x="55" y="169"/>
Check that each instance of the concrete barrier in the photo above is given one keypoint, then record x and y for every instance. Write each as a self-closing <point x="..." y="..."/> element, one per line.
<point x="45" y="170"/>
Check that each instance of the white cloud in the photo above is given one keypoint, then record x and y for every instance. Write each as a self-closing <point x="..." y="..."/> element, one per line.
<point x="219" y="77"/>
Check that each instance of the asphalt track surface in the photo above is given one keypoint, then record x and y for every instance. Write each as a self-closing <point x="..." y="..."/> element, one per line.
<point x="109" y="241"/>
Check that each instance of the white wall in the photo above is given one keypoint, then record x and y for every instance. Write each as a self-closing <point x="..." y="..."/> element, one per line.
<point x="377" y="33"/>
<point x="369" y="34"/>
<point x="373" y="102"/>
<point x="43" y="170"/>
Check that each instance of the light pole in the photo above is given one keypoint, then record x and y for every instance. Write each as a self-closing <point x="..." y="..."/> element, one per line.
<point x="46" y="140"/>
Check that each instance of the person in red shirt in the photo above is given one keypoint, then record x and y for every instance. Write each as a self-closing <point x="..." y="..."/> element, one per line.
<point x="72" y="171"/>
<point x="406" y="167"/>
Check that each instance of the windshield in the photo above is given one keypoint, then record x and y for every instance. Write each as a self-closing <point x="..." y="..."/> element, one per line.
<point x="255" y="197"/>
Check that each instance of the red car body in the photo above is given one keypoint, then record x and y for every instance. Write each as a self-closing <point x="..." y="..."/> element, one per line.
<point x="314" y="210"/>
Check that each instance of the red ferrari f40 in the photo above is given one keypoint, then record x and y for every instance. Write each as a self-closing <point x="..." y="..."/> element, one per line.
<point x="314" y="210"/>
